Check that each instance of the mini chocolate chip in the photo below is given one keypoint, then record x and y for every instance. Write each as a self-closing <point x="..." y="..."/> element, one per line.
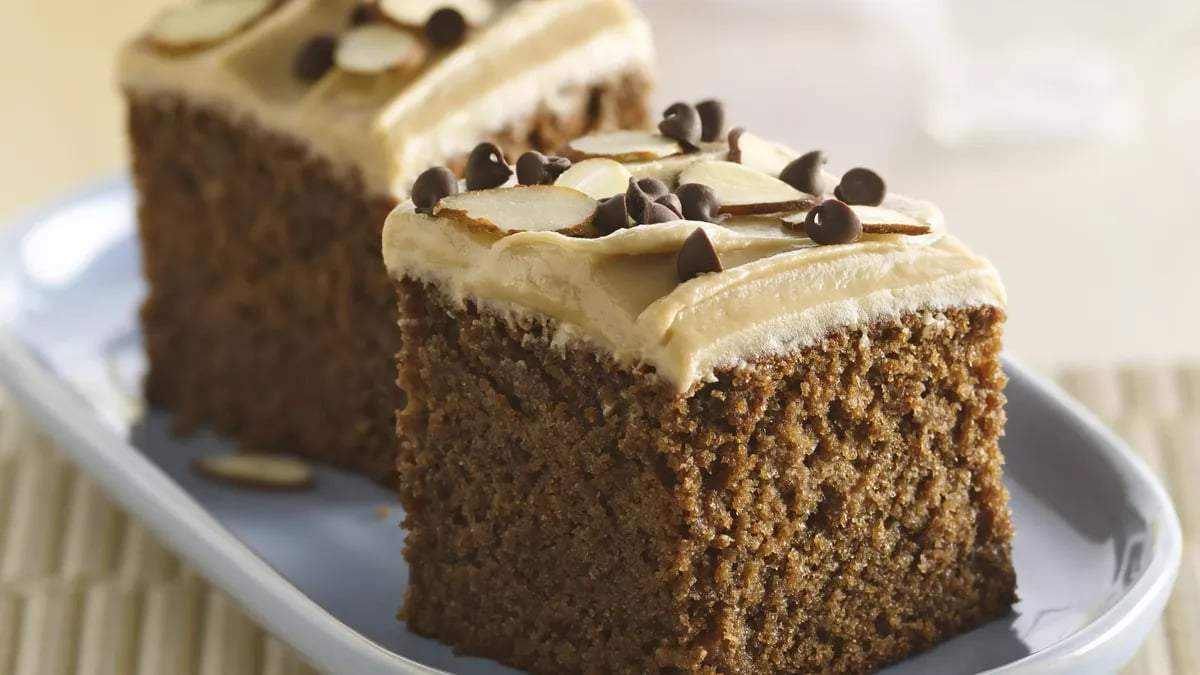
<point x="804" y="173"/>
<point x="611" y="215"/>
<point x="699" y="202"/>
<point x="697" y="256"/>
<point x="315" y="58"/>
<point x="445" y="28"/>
<point x="833" y="222"/>
<point x="363" y="13"/>
<point x="641" y="193"/>
<point x="487" y="168"/>
<point x="671" y="202"/>
<point x="681" y="122"/>
<point x="658" y="213"/>
<point x="534" y="168"/>
<point x="712" y="119"/>
<point x="431" y="186"/>
<point x="861" y="186"/>
<point x="735" y="147"/>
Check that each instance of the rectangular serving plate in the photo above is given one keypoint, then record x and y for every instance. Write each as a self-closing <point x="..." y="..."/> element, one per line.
<point x="1097" y="547"/>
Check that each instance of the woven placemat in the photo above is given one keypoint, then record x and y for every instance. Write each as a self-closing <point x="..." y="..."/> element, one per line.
<point x="86" y="591"/>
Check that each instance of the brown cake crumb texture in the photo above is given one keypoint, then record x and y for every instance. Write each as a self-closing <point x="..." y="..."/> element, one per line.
<point x="826" y="512"/>
<point x="270" y="314"/>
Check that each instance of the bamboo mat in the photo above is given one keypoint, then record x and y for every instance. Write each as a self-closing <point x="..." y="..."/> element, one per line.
<point x="86" y="591"/>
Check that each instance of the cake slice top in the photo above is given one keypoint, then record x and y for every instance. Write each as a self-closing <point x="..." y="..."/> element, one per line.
<point x="387" y="87"/>
<point x="685" y="256"/>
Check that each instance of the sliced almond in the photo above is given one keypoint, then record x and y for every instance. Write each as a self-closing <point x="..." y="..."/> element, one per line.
<point x="744" y="191"/>
<point x="203" y="25"/>
<point x="533" y="208"/>
<point x="597" y="178"/>
<point x="414" y="13"/>
<point x="259" y="471"/>
<point x="875" y="220"/>
<point x="755" y="152"/>
<point x="624" y="146"/>
<point x="377" y="48"/>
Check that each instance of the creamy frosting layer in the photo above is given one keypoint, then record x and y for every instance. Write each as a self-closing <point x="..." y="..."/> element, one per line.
<point x="778" y="291"/>
<point x="391" y="127"/>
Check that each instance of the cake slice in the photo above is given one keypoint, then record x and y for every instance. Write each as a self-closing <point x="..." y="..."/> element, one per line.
<point x="761" y="438"/>
<point x="270" y="139"/>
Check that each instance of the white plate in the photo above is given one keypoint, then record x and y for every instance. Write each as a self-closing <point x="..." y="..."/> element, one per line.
<point x="1098" y="543"/>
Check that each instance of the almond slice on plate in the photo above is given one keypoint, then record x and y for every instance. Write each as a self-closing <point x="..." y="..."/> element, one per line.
<point x="744" y="191"/>
<point x="533" y="208"/>
<point x="259" y="471"/>
<point x="624" y="146"/>
<point x="203" y="25"/>
<point x="755" y="152"/>
<point x="378" y="48"/>
<point x="875" y="220"/>
<point x="414" y="13"/>
<point x="597" y="178"/>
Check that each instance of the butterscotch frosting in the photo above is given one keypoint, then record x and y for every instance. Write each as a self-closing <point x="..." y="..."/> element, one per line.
<point x="391" y="126"/>
<point x="778" y="290"/>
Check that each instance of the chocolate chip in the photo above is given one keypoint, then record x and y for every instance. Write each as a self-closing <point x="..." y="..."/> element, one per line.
<point x="641" y="193"/>
<point x="735" y="148"/>
<point x="804" y="173"/>
<point x="659" y="213"/>
<point x="671" y="202"/>
<point x="697" y="257"/>
<point x="363" y="13"/>
<point x="833" y="222"/>
<point x="699" y="202"/>
<point x="681" y="122"/>
<point x="445" y="28"/>
<point x="861" y="186"/>
<point x="315" y="58"/>
<point x="534" y="168"/>
<point x="611" y="215"/>
<point x="431" y="186"/>
<point x="712" y="120"/>
<point x="487" y="168"/>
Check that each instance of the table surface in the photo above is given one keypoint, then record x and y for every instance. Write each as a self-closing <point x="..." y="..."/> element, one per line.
<point x="90" y="592"/>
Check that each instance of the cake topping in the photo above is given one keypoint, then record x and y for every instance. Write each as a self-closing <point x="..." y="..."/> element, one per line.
<point x="431" y="186"/>
<point x="682" y="122"/>
<point x="804" y="173"/>
<point x="315" y="58"/>
<point x="363" y="12"/>
<point x="861" y="186"/>
<point x="658" y="212"/>
<point x="263" y="472"/>
<point x="598" y="178"/>
<point x="756" y="152"/>
<point x="534" y="208"/>
<point x="205" y="24"/>
<point x="445" y="28"/>
<point x="874" y="219"/>
<point x="744" y="191"/>
<point x="534" y="168"/>
<point x="625" y="146"/>
<point x="697" y="256"/>
<point x="833" y="222"/>
<point x="487" y="168"/>
<point x="377" y="48"/>
<point x="699" y="202"/>
<point x="611" y="214"/>
<point x="641" y="193"/>
<point x="671" y="201"/>
<point x="712" y="120"/>
<point x="416" y="13"/>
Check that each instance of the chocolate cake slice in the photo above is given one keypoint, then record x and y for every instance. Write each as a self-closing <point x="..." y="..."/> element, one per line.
<point x="270" y="139"/>
<point x="697" y="407"/>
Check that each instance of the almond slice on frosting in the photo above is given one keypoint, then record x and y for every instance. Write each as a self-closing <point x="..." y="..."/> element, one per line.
<point x="414" y="13"/>
<point x="264" y="472"/>
<point x="744" y="191"/>
<point x="755" y="152"/>
<point x="597" y="178"/>
<point x="533" y="208"/>
<point x="378" y="48"/>
<point x="875" y="220"/>
<point x="624" y="146"/>
<point x="205" y="24"/>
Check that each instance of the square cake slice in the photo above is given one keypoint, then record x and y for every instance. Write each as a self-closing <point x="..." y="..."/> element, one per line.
<point x="706" y="409"/>
<point x="270" y="139"/>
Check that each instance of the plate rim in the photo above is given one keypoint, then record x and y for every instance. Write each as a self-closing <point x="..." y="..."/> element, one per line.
<point x="153" y="499"/>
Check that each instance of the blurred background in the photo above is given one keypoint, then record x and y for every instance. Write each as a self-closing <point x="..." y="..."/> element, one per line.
<point x="1060" y="137"/>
